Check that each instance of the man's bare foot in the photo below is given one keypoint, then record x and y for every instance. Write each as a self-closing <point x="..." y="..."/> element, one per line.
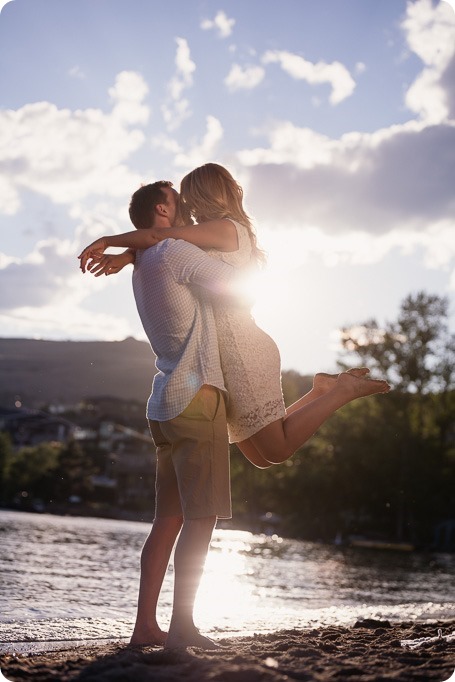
<point x="148" y="637"/>
<point x="182" y="639"/>
<point x="323" y="382"/>
<point x="360" y="387"/>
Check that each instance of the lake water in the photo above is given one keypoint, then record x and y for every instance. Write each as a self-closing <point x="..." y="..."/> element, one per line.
<point x="71" y="579"/>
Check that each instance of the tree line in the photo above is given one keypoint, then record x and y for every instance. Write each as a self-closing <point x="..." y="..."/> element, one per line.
<point x="380" y="467"/>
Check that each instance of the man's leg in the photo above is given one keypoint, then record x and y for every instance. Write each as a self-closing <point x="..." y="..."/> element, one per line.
<point x="189" y="559"/>
<point x="158" y="546"/>
<point x="154" y="562"/>
<point x="200" y="456"/>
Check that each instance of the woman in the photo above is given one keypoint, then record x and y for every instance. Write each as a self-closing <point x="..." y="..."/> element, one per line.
<point x="264" y="429"/>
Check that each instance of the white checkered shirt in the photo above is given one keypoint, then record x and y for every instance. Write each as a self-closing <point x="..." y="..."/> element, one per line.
<point x="172" y="282"/>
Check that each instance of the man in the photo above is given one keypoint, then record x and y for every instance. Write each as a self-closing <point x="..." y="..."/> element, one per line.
<point x="186" y="412"/>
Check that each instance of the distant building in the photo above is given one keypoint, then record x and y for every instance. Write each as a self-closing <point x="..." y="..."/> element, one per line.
<point x="31" y="427"/>
<point x="126" y="474"/>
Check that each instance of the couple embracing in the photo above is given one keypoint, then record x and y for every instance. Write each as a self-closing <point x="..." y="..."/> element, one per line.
<point x="218" y="378"/>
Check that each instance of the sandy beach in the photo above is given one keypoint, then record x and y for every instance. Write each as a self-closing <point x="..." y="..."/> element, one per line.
<point x="366" y="652"/>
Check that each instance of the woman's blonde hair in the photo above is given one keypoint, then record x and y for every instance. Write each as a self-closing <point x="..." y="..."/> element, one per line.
<point x="211" y="193"/>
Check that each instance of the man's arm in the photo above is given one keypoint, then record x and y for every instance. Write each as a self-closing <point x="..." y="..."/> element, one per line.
<point x="191" y="265"/>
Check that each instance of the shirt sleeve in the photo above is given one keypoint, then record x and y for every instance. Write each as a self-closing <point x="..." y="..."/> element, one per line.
<point x="191" y="265"/>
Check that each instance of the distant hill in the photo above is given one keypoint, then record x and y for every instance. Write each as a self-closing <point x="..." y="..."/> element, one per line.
<point x="43" y="372"/>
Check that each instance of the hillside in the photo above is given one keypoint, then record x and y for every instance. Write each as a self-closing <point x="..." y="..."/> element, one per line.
<point x="43" y="372"/>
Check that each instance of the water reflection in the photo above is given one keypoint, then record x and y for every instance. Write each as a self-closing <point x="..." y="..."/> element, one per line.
<point x="81" y="576"/>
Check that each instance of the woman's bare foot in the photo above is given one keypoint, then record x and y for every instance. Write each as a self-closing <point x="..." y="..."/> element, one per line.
<point x="360" y="386"/>
<point x="179" y="639"/>
<point x="148" y="637"/>
<point x="323" y="383"/>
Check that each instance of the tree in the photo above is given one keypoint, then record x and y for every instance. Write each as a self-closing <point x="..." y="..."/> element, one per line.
<point x="416" y="354"/>
<point x="32" y="472"/>
<point x="73" y="473"/>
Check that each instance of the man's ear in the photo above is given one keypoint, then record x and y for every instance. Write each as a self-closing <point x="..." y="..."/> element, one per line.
<point x="161" y="209"/>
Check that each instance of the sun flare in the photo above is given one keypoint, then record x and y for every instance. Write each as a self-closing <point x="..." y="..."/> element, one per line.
<point x="267" y="292"/>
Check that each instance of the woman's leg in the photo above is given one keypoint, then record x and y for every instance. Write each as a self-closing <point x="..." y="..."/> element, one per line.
<point x="278" y="441"/>
<point x="250" y="451"/>
<point x="322" y="383"/>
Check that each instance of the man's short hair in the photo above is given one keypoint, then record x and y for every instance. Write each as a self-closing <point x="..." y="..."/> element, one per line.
<point x="143" y="203"/>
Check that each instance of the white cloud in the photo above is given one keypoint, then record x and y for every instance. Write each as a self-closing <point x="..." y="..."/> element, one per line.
<point x="44" y="291"/>
<point x="439" y="244"/>
<point x="73" y="322"/>
<point x="128" y="94"/>
<point x="3" y="3"/>
<point x="166" y="144"/>
<point x="245" y="78"/>
<point x="177" y="108"/>
<point x="430" y="33"/>
<point x="336" y="74"/>
<point x="288" y="143"/>
<point x="205" y="150"/>
<point x="40" y="278"/>
<point x="394" y="179"/>
<point x="185" y="65"/>
<point x="9" y="195"/>
<point x="221" y="23"/>
<point x="76" y="72"/>
<point x="69" y="155"/>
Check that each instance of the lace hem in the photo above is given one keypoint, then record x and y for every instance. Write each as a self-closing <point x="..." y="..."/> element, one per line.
<point x="243" y="426"/>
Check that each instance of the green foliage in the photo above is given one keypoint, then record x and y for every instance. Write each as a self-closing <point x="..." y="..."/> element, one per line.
<point x="73" y="472"/>
<point x="50" y="472"/>
<point x="415" y="353"/>
<point x="32" y="473"/>
<point x="6" y="459"/>
<point x="294" y="386"/>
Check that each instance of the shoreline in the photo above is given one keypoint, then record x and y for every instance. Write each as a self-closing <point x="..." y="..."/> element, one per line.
<point x="368" y="651"/>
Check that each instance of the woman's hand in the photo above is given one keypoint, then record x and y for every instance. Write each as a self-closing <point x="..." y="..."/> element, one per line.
<point x="109" y="264"/>
<point x="95" y="251"/>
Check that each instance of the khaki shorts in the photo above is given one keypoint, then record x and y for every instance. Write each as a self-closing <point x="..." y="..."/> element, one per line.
<point x="192" y="460"/>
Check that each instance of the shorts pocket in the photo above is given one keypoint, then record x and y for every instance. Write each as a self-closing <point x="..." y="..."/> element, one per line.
<point x="204" y="405"/>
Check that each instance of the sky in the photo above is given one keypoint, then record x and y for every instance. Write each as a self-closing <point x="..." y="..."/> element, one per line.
<point x="337" y="118"/>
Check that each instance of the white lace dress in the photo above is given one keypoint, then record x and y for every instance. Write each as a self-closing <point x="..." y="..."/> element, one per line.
<point x="250" y="358"/>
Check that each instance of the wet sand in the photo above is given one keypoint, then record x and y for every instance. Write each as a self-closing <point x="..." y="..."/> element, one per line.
<point x="366" y="652"/>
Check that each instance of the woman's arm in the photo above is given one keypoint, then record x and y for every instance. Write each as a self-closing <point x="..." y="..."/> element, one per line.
<point x="137" y="239"/>
<point x="212" y="234"/>
<point x="109" y="263"/>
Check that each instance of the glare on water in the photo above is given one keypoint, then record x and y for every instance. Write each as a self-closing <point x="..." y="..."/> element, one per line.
<point x="67" y="578"/>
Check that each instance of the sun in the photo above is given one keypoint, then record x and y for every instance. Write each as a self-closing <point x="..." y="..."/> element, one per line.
<point x="267" y="291"/>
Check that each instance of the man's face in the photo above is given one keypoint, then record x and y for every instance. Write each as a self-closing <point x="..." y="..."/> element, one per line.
<point x="171" y="202"/>
<point x="183" y="215"/>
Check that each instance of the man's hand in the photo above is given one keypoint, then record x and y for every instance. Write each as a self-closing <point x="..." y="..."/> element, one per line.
<point x="95" y="251"/>
<point x="109" y="264"/>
